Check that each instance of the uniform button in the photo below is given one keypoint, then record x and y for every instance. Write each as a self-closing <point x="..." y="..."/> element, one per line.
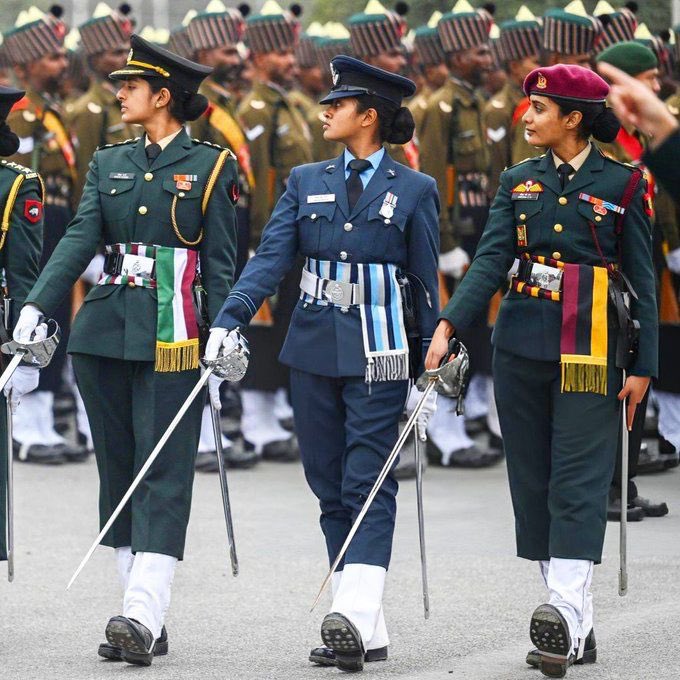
<point x="148" y="176"/>
<point x="113" y="191"/>
<point x="181" y="194"/>
<point x="562" y="200"/>
<point x="131" y="284"/>
<point x="598" y="218"/>
<point x="344" y="310"/>
<point x="343" y="255"/>
<point x="305" y="305"/>
<point x="348" y="226"/>
<point x="142" y="210"/>
<point x="557" y="255"/>
<point x="387" y="220"/>
<point x="313" y="216"/>
<point x="523" y="216"/>
<point x="558" y="228"/>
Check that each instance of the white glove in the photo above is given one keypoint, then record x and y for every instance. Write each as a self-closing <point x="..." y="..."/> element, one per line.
<point x="94" y="270"/>
<point x="27" y="323"/>
<point x="673" y="260"/>
<point x="427" y="411"/>
<point x="214" y="383"/>
<point x="454" y="262"/>
<point x="221" y="341"/>
<point x="24" y="380"/>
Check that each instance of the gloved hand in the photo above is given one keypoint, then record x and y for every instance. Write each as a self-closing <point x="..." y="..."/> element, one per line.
<point x="94" y="270"/>
<point x="454" y="262"/>
<point x="673" y="260"/>
<point x="427" y="411"/>
<point x="27" y="324"/>
<point x="214" y="383"/>
<point x="217" y="342"/>
<point x="24" y="380"/>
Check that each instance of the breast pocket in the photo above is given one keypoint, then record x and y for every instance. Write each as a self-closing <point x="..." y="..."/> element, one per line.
<point x="315" y="226"/>
<point x="115" y="198"/>
<point x="388" y="233"/>
<point x="182" y="208"/>
<point x="527" y="224"/>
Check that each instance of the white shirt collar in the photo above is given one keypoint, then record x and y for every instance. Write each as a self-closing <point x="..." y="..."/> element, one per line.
<point x="162" y="142"/>
<point x="577" y="161"/>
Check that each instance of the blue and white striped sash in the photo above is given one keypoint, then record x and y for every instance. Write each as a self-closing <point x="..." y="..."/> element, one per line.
<point x="382" y="319"/>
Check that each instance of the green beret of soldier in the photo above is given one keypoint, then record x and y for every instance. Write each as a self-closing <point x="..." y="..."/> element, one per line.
<point x="631" y="57"/>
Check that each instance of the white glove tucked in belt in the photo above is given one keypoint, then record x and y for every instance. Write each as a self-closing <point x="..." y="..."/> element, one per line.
<point x="454" y="262"/>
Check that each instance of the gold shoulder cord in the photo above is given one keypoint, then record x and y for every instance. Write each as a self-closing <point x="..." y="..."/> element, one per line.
<point x="217" y="168"/>
<point x="9" y="206"/>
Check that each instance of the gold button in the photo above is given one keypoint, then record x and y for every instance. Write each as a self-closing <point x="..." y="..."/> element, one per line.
<point x="113" y="191"/>
<point x="558" y="228"/>
<point x="557" y="255"/>
<point x="181" y="194"/>
<point x="142" y="210"/>
<point x="131" y="284"/>
<point x="598" y="218"/>
<point x="523" y="216"/>
<point x="148" y="176"/>
<point x="562" y="200"/>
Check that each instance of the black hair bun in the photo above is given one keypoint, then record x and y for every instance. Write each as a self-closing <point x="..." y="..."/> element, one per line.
<point x="57" y="11"/>
<point x="124" y="8"/>
<point x="606" y="126"/>
<point x="632" y="6"/>
<point x="402" y="128"/>
<point x="195" y="106"/>
<point x="9" y="141"/>
<point x="402" y="8"/>
<point x="490" y="7"/>
<point x="244" y="8"/>
<point x="295" y="10"/>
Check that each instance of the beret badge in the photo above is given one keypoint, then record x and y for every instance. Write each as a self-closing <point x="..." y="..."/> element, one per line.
<point x="542" y="82"/>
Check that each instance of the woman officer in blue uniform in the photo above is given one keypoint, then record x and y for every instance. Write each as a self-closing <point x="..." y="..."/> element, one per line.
<point x="575" y="219"/>
<point x="360" y="220"/>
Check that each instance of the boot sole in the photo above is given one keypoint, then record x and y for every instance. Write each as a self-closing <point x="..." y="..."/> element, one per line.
<point x="344" y="639"/>
<point x="589" y="656"/>
<point x="132" y="647"/>
<point x="550" y="634"/>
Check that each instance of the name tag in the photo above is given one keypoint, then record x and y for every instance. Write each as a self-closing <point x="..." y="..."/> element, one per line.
<point x="321" y="198"/>
<point x="121" y="175"/>
<point x="524" y="196"/>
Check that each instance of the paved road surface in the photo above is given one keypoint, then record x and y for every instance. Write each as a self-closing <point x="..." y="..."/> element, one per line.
<point x="258" y="626"/>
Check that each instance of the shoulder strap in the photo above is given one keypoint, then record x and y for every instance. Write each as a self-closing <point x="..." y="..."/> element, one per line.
<point x="214" y="174"/>
<point x="9" y="206"/>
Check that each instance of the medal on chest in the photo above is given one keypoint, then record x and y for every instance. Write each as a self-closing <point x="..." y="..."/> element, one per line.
<point x="388" y="205"/>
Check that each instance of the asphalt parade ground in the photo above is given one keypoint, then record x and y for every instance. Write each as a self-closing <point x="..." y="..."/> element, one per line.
<point x="258" y="625"/>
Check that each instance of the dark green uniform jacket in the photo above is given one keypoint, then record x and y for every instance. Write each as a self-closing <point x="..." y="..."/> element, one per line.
<point x="125" y="202"/>
<point x="557" y="226"/>
<point x="21" y="211"/>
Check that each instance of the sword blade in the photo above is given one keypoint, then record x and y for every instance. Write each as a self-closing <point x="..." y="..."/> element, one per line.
<point x="226" y="504"/>
<point x="140" y="475"/>
<point x="10" y="495"/>
<point x="623" y="526"/>
<point x="410" y="423"/>
<point x="11" y="367"/>
<point x="421" y="519"/>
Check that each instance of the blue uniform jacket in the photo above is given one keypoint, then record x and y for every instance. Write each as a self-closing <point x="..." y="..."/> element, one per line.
<point x="324" y="339"/>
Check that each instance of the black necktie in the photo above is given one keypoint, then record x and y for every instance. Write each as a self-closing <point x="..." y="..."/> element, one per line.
<point x="564" y="170"/>
<point x="354" y="185"/>
<point x="152" y="152"/>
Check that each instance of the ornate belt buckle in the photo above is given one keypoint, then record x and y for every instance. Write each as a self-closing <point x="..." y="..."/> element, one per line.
<point x="337" y="293"/>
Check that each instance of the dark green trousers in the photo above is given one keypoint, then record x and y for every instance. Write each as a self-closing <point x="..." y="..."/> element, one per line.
<point x="561" y="450"/>
<point x="3" y="477"/>
<point x="129" y="406"/>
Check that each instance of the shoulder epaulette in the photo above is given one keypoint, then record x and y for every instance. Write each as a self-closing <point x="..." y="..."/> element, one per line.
<point x="19" y="169"/>
<point x="202" y="141"/>
<point x="108" y="146"/>
<point x="524" y="160"/>
<point x="628" y="166"/>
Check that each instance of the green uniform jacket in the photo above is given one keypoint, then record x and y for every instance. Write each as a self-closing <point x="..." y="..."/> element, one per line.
<point x="530" y="327"/>
<point x="279" y="139"/>
<point x="125" y="202"/>
<point x="452" y="135"/>
<point x="21" y="210"/>
<point x="94" y="120"/>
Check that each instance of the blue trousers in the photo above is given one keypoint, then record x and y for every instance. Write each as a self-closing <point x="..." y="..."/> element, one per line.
<point x="345" y="434"/>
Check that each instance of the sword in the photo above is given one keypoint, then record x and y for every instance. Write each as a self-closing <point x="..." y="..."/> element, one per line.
<point x="410" y="424"/>
<point x="421" y="515"/>
<point x="140" y="475"/>
<point x="217" y="430"/>
<point x="10" y="495"/>
<point x="623" y="524"/>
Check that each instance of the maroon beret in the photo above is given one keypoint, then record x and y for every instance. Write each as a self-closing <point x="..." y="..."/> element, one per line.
<point x="567" y="81"/>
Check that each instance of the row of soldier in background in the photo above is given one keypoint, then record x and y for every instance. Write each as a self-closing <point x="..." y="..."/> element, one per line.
<point x="267" y="78"/>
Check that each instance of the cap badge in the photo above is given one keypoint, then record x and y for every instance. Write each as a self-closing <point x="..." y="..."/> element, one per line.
<point x="335" y="75"/>
<point x="542" y="82"/>
<point x="130" y="54"/>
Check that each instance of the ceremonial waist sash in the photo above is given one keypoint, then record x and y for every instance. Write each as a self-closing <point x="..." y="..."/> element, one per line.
<point x="374" y="289"/>
<point x="171" y="271"/>
<point x="583" y="291"/>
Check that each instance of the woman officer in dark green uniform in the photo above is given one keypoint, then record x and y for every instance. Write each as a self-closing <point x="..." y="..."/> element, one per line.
<point x="163" y="206"/>
<point x="574" y="219"/>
